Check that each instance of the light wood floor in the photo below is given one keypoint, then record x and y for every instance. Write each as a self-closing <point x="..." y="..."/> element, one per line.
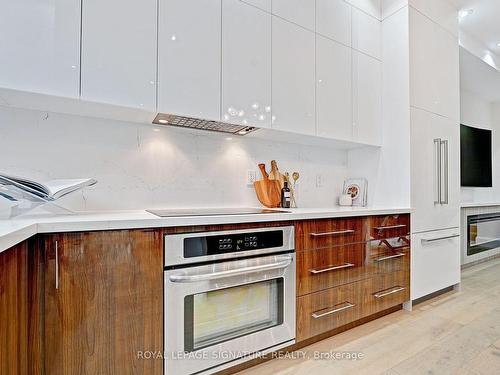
<point x="455" y="333"/>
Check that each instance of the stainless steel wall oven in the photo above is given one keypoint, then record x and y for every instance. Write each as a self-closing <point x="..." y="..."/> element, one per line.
<point x="228" y="295"/>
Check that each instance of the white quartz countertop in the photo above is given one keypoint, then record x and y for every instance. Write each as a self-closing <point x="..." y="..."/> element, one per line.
<point x="14" y="231"/>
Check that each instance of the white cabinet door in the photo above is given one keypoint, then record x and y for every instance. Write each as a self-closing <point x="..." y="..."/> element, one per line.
<point x="189" y="48"/>
<point x="434" y="67"/>
<point x="435" y="261"/>
<point x="333" y="89"/>
<point x="333" y="20"/>
<point x="367" y="98"/>
<point x="366" y="34"/>
<point x="430" y="214"/>
<point x="262" y="4"/>
<point x="372" y="7"/>
<point x="40" y="46"/>
<point x="300" y="12"/>
<point x="246" y="64"/>
<point x="119" y="52"/>
<point x="293" y="78"/>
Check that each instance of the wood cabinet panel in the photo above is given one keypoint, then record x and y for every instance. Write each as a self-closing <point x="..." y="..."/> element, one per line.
<point x="338" y="265"/>
<point x="386" y="291"/>
<point x="329" y="309"/>
<point x="107" y="302"/>
<point x="14" y="310"/>
<point x="389" y="255"/>
<point x="388" y="226"/>
<point x="316" y="234"/>
<point x="330" y="267"/>
<point x="350" y="269"/>
<point x="321" y="312"/>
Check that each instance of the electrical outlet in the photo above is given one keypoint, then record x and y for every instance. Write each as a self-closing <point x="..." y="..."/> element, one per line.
<point x="319" y="181"/>
<point x="251" y="177"/>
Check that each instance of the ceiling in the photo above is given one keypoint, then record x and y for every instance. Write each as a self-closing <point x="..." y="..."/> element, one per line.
<point x="483" y="23"/>
<point x="478" y="77"/>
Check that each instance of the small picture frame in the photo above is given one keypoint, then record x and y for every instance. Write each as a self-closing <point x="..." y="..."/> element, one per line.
<point x="357" y="188"/>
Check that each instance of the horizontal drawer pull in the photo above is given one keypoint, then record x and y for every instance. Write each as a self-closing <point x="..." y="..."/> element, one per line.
<point x="425" y="240"/>
<point x="388" y="292"/>
<point x="347" y="306"/>
<point x="399" y="255"/>
<point x="391" y="227"/>
<point x="332" y="268"/>
<point x="347" y="231"/>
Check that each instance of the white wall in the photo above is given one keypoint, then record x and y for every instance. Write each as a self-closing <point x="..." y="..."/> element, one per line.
<point x="143" y="166"/>
<point x="480" y="113"/>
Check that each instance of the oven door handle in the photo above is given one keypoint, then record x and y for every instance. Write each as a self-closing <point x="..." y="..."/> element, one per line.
<point x="284" y="262"/>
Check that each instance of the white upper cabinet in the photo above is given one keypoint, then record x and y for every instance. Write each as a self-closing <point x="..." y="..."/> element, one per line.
<point x="293" y="78"/>
<point x="262" y="4"/>
<point x="366" y="34"/>
<point x="333" y="89"/>
<point x="119" y="52"/>
<point x="372" y="7"/>
<point x="434" y="67"/>
<point x="367" y="99"/>
<point x="301" y="12"/>
<point x="333" y="20"/>
<point x="442" y="12"/>
<point x="40" y="46"/>
<point x="189" y="47"/>
<point x="246" y="64"/>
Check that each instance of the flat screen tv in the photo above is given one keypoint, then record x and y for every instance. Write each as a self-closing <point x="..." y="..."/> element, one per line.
<point x="475" y="157"/>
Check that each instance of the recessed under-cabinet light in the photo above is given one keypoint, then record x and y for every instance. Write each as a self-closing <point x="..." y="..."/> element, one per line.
<point x="162" y="121"/>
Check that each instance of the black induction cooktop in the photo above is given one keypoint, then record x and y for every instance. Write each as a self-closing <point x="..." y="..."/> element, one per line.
<point x="212" y="212"/>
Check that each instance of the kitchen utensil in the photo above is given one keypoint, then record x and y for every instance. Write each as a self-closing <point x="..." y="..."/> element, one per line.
<point x="295" y="177"/>
<point x="276" y="175"/>
<point x="268" y="191"/>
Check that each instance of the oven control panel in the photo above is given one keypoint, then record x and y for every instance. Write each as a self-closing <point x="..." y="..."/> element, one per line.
<point x="232" y="242"/>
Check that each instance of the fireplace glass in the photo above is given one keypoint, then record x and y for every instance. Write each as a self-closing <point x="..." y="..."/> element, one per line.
<point x="483" y="233"/>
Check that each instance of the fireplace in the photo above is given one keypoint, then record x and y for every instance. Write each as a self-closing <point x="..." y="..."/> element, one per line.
<point x="483" y="233"/>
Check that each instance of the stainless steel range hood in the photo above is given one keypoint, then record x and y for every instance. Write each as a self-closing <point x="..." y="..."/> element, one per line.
<point x="201" y="124"/>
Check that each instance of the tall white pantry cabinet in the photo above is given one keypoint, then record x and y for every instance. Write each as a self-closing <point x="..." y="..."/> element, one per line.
<point x="429" y="31"/>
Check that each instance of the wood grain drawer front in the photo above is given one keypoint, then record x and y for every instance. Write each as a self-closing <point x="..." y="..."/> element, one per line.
<point x="323" y="311"/>
<point x="389" y="255"/>
<point x="387" y="291"/>
<point x="388" y="226"/>
<point x="327" y="268"/>
<point x="315" y="234"/>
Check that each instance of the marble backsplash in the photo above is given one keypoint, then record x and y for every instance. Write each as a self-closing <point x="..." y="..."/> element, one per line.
<point x="143" y="166"/>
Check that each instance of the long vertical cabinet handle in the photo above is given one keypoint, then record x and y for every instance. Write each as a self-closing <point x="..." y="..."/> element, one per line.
<point x="57" y="264"/>
<point x="437" y="145"/>
<point x="445" y="173"/>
